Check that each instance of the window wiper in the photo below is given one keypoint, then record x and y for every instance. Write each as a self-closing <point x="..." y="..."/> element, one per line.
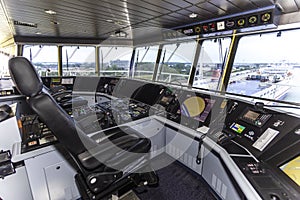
<point x="67" y="58"/>
<point x="108" y="52"/>
<point x="172" y="54"/>
<point x="37" y="53"/>
<point x="136" y="61"/>
<point x="162" y="62"/>
<point x="103" y="57"/>
<point x="145" y="54"/>
<point x="73" y="53"/>
<point x="222" y="69"/>
<point x="221" y="57"/>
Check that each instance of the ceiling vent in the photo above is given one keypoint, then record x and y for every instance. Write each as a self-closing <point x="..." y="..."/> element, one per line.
<point x="18" y="23"/>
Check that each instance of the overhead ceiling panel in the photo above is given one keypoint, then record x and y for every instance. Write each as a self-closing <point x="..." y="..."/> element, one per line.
<point x="243" y="5"/>
<point x="226" y="6"/>
<point x="260" y="3"/>
<point x="195" y="1"/>
<point x="288" y="6"/>
<point x="211" y="8"/>
<point x="201" y="12"/>
<point x="178" y="15"/>
<point x="180" y="3"/>
<point x="5" y="32"/>
<point x="162" y="8"/>
<point x="99" y="19"/>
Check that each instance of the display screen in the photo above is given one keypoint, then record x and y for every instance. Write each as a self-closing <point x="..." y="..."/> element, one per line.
<point x="292" y="170"/>
<point x="55" y="80"/>
<point x="197" y="107"/>
<point x="237" y="128"/>
<point x="166" y="100"/>
<point x="251" y="115"/>
<point x="67" y="81"/>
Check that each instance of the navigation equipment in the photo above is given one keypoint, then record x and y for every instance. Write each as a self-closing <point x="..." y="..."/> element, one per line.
<point x="67" y="81"/>
<point x="255" y="118"/>
<point x="292" y="169"/>
<point x="197" y="107"/>
<point x="237" y="128"/>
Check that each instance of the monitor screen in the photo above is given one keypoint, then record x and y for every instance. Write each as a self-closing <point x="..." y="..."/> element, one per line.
<point x="55" y="80"/>
<point x="67" y="81"/>
<point x="292" y="169"/>
<point x="237" y="128"/>
<point x="251" y="115"/>
<point x="197" y="107"/>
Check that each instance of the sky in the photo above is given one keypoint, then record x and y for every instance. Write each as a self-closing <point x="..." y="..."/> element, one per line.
<point x="269" y="48"/>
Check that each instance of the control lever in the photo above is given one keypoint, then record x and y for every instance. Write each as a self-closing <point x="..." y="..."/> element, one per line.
<point x="233" y="107"/>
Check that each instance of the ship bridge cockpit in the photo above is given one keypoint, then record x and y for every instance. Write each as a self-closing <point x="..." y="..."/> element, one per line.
<point x="147" y="100"/>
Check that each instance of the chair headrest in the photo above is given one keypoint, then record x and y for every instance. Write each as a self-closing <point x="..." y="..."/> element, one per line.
<point x="25" y="77"/>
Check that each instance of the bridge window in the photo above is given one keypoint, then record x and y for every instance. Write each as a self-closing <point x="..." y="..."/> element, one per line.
<point x="44" y="58"/>
<point x="176" y="61"/>
<point x="4" y="57"/>
<point x="114" y="61"/>
<point x="78" y="60"/>
<point x="210" y="63"/>
<point x="268" y="66"/>
<point x="144" y="62"/>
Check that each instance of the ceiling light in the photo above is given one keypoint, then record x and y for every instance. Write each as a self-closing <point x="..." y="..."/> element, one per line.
<point x="193" y="15"/>
<point x="55" y="22"/>
<point x="50" y="12"/>
<point x="38" y="33"/>
<point x="118" y="23"/>
<point x="120" y="34"/>
<point x="109" y="20"/>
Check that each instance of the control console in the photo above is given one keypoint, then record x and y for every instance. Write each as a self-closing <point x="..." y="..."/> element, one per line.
<point x="109" y="113"/>
<point x="35" y="133"/>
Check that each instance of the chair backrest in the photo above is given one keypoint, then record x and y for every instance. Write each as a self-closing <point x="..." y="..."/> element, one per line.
<point x="28" y="83"/>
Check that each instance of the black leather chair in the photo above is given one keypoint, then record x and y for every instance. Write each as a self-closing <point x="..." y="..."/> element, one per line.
<point x="118" y="162"/>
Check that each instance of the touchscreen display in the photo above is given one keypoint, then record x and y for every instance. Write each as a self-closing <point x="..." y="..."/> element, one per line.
<point x="237" y="128"/>
<point x="292" y="170"/>
<point x="197" y="108"/>
<point x="67" y="81"/>
<point x="55" y="80"/>
<point x="251" y="115"/>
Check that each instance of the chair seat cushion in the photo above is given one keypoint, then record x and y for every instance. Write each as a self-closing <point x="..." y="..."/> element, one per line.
<point x="118" y="149"/>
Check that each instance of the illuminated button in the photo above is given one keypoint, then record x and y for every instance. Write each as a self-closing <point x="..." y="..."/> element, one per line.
<point x="230" y="24"/>
<point x="197" y="29"/>
<point x="251" y="133"/>
<point x="258" y="123"/>
<point x="265" y="17"/>
<point x="241" y="22"/>
<point x="188" y="31"/>
<point x="205" y="28"/>
<point x="212" y="27"/>
<point x="252" y="19"/>
<point x="220" y="26"/>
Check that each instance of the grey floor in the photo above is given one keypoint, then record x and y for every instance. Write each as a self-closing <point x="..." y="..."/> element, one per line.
<point x="176" y="182"/>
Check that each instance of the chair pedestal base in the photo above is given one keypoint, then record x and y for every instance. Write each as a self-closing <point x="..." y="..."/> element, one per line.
<point x="119" y="187"/>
